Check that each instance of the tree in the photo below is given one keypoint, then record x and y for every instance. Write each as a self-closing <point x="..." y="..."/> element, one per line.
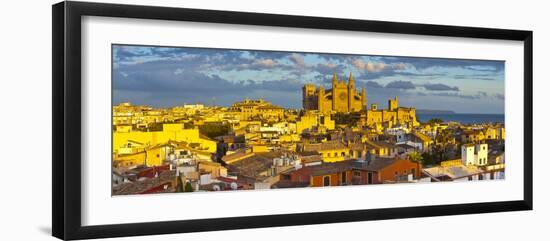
<point x="443" y="136"/>
<point x="439" y="154"/>
<point x="348" y="119"/>
<point x="416" y="157"/>
<point x="188" y="187"/>
<point x="443" y="144"/>
<point x="214" y="129"/>
<point x="427" y="159"/>
<point x="179" y="187"/>
<point x="435" y="120"/>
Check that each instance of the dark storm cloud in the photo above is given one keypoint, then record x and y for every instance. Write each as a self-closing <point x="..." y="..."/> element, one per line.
<point x="476" y="96"/>
<point x="424" y="63"/>
<point x="400" y="84"/>
<point x="372" y="84"/>
<point x="499" y="96"/>
<point x="440" y="87"/>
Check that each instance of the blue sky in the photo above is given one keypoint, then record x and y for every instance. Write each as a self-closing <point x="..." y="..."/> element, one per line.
<point x="166" y="76"/>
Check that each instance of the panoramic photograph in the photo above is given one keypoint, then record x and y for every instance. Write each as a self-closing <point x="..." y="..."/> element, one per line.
<point x="189" y="119"/>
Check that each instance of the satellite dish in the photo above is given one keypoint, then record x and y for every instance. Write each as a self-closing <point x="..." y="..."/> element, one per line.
<point x="216" y="188"/>
<point x="234" y="186"/>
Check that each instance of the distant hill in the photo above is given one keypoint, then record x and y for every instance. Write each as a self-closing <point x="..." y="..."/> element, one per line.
<point x="433" y="112"/>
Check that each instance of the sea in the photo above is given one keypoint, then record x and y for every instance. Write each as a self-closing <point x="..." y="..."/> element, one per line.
<point x="463" y="118"/>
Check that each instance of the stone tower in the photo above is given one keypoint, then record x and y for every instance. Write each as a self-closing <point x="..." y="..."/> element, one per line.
<point x="393" y="104"/>
<point x="334" y="87"/>
<point x="320" y="98"/>
<point x="351" y="92"/>
<point x="309" y="99"/>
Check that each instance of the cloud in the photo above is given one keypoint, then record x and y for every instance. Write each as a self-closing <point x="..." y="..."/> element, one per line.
<point x="265" y="63"/>
<point x="400" y="84"/>
<point x="167" y="76"/>
<point x="476" y="96"/>
<point x="327" y="69"/>
<point x="359" y="64"/>
<point x="375" y="67"/>
<point x="371" y="67"/>
<point x="373" y="84"/>
<point x="477" y="76"/>
<point x="440" y="87"/>
<point x="481" y="67"/>
<point x="297" y="59"/>
<point x="482" y="94"/>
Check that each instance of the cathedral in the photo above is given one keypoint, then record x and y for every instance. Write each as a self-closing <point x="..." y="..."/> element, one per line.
<point x="341" y="98"/>
<point x="344" y="98"/>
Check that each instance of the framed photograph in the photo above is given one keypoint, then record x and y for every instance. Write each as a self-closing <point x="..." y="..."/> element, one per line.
<point x="170" y="120"/>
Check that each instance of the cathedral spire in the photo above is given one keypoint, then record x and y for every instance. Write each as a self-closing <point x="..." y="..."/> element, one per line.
<point x="351" y="82"/>
<point x="334" y="79"/>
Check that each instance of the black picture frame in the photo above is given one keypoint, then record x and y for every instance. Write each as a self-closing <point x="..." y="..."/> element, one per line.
<point x="66" y="157"/>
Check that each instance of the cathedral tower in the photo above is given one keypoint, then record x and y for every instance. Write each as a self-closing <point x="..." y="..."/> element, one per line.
<point x="364" y="98"/>
<point x="393" y="104"/>
<point x="351" y="92"/>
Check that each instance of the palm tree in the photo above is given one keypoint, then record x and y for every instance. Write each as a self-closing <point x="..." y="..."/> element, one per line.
<point x="416" y="157"/>
<point x="188" y="187"/>
<point x="443" y="141"/>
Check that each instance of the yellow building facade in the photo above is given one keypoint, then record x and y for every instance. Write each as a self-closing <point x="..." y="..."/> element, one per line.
<point x="393" y="116"/>
<point x="314" y="120"/>
<point x="152" y="156"/>
<point x="170" y="132"/>
<point x="248" y="109"/>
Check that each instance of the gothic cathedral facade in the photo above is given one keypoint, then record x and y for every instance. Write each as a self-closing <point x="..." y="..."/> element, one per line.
<point x="341" y="98"/>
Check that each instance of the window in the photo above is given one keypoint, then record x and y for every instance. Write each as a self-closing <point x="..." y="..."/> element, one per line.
<point x="326" y="181"/>
<point x="343" y="154"/>
<point x="357" y="173"/>
<point x="336" y="154"/>
<point x="470" y="178"/>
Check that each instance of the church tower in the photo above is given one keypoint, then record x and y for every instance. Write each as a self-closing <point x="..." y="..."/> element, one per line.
<point x="320" y="98"/>
<point x="393" y="104"/>
<point x="363" y="98"/>
<point x="334" y="87"/>
<point x="334" y="80"/>
<point x="351" y="92"/>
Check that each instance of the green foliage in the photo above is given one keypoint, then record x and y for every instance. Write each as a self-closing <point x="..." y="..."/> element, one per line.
<point x="348" y="119"/>
<point x="427" y="159"/>
<point x="179" y="187"/>
<point x="444" y="136"/>
<point x="188" y="125"/>
<point x="188" y="187"/>
<point x="416" y="157"/>
<point x="435" y="120"/>
<point x="214" y="129"/>
<point x="444" y="148"/>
